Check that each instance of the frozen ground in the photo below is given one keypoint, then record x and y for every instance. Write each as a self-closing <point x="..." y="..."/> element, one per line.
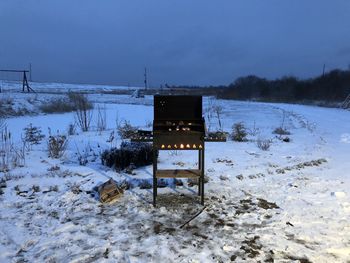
<point x="288" y="204"/>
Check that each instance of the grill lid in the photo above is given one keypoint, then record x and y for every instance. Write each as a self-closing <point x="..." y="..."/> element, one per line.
<point x="177" y="107"/>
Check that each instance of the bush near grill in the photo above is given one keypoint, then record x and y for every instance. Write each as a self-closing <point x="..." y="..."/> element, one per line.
<point x="239" y="132"/>
<point x="138" y="154"/>
<point x="263" y="144"/>
<point x="126" y="130"/>
<point x="217" y="134"/>
<point x="57" y="145"/>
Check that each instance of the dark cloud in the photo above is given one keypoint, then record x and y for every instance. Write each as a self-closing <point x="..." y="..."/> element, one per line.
<point x="198" y="42"/>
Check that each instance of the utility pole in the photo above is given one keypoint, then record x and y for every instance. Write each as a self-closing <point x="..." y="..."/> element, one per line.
<point x="30" y="72"/>
<point x="324" y="69"/>
<point x="145" y="75"/>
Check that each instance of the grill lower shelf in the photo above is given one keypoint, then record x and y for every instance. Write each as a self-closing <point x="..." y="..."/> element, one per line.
<point x="178" y="173"/>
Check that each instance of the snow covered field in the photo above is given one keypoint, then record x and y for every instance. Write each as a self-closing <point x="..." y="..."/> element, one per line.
<point x="288" y="204"/>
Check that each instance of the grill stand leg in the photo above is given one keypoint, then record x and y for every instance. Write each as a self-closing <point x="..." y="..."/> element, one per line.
<point x="199" y="168"/>
<point x="202" y="177"/>
<point x="155" y="182"/>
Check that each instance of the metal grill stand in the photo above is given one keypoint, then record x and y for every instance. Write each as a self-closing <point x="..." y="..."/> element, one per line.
<point x="179" y="173"/>
<point x="178" y="125"/>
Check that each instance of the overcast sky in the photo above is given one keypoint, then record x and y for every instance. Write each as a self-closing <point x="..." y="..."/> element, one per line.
<point x="194" y="42"/>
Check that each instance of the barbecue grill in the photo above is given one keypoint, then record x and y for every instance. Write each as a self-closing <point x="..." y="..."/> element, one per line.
<point x="178" y="125"/>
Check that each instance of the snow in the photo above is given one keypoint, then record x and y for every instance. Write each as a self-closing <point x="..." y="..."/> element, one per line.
<point x="46" y="87"/>
<point x="291" y="203"/>
<point x="138" y="115"/>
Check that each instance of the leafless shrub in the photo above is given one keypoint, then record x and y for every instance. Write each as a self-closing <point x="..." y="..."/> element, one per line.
<point x="11" y="155"/>
<point x="83" y="156"/>
<point x="213" y="110"/>
<point x="239" y="132"/>
<point x="19" y="154"/>
<point x="57" y="145"/>
<point x="117" y="120"/>
<point x="71" y="129"/>
<point x="254" y="131"/>
<point x="77" y="98"/>
<point x="281" y="131"/>
<point x="6" y="106"/>
<point x="111" y="138"/>
<point x="57" y="105"/>
<point x="9" y="108"/>
<point x="218" y="112"/>
<point x="83" y="111"/>
<point x="101" y="118"/>
<point x="263" y="144"/>
<point x="32" y="99"/>
<point x="126" y="130"/>
<point x="209" y="113"/>
<point x="6" y="146"/>
<point x="64" y="104"/>
<point x="125" y="185"/>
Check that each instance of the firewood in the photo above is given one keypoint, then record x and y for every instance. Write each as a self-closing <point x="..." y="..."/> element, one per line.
<point x="109" y="191"/>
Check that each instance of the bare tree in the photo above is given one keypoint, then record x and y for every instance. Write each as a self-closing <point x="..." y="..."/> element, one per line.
<point x="218" y="111"/>
<point x="83" y="112"/>
<point x="209" y="113"/>
<point x="101" y="118"/>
